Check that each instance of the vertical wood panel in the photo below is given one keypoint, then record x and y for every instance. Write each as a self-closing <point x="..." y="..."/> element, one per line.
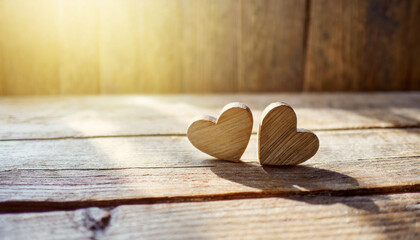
<point x="79" y="57"/>
<point x="172" y="46"/>
<point x="358" y="45"/>
<point x="2" y="81"/>
<point x="211" y="38"/>
<point x="30" y="47"/>
<point x="161" y="24"/>
<point x="387" y="48"/>
<point x="335" y="40"/>
<point x="119" y="46"/>
<point x="414" y="46"/>
<point x="140" y="46"/>
<point x="272" y="45"/>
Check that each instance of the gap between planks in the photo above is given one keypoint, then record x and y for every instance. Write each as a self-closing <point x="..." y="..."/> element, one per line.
<point x="393" y="216"/>
<point x="46" y="206"/>
<point x="137" y="115"/>
<point x="174" y="167"/>
<point x="414" y="126"/>
<point x="335" y="169"/>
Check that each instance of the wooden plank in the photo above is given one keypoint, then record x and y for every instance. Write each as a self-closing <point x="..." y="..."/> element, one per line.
<point x="78" y="23"/>
<point x="52" y="189"/>
<point x="211" y="43"/>
<point x="394" y="216"/>
<point x="272" y="44"/>
<point x="121" y="152"/>
<point x="388" y="52"/>
<point x="119" y="46"/>
<point x="30" y="47"/>
<point x="140" y="46"/>
<point x="414" y="39"/>
<point x="387" y="216"/>
<point x="25" y="118"/>
<point x="140" y="169"/>
<point x="169" y="46"/>
<point x="335" y="52"/>
<point x="2" y="76"/>
<point x="161" y="38"/>
<point x="367" y="47"/>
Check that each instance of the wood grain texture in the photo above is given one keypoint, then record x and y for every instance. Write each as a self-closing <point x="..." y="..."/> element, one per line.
<point x="30" y="43"/>
<point x="225" y="137"/>
<point x="272" y="45"/>
<point x="23" y="190"/>
<point x="2" y="74"/>
<point x="211" y="45"/>
<point x="119" y="46"/>
<point x="387" y="216"/>
<point x="336" y="52"/>
<point x="25" y="118"/>
<point x="95" y="171"/>
<point x="78" y="23"/>
<point x="161" y="51"/>
<point x="107" y="153"/>
<point x="124" y="177"/>
<point x="280" y="142"/>
<point x="367" y="48"/>
<point x="414" y="39"/>
<point x="317" y="217"/>
<point x="141" y="46"/>
<point x="143" y="152"/>
<point x="195" y="46"/>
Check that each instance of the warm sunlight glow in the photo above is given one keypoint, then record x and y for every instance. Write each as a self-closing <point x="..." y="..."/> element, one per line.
<point x="90" y="46"/>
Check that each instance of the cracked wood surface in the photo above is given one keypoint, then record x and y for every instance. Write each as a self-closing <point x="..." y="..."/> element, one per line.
<point x="66" y="153"/>
<point x="393" y="216"/>
<point x="109" y="169"/>
<point x="57" y="117"/>
<point x="159" y="152"/>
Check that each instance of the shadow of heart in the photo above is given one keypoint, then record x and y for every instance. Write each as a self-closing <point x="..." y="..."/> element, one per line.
<point x="298" y="180"/>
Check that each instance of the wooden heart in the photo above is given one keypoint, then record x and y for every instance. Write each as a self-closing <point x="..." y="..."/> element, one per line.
<point x="225" y="137"/>
<point x="279" y="141"/>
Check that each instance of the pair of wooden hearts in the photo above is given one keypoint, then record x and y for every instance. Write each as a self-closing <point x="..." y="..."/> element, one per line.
<point x="279" y="141"/>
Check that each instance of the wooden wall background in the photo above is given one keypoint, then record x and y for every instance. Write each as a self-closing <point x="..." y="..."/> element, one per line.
<point x="177" y="46"/>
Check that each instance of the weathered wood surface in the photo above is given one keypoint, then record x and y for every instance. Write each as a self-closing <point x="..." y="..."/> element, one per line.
<point x="55" y="189"/>
<point x="181" y="46"/>
<point x="29" y="39"/>
<point x="336" y="147"/>
<point x="55" y="117"/>
<point x="78" y="31"/>
<point x="395" y="216"/>
<point x="120" y="169"/>
<point x="210" y="42"/>
<point x="171" y="189"/>
<point x="272" y="45"/>
<point x="150" y="46"/>
<point x="372" y="45"/>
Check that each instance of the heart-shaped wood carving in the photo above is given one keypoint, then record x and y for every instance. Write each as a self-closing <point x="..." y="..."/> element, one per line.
<point x="225" y="137"/>
<point x="279" y="141"/>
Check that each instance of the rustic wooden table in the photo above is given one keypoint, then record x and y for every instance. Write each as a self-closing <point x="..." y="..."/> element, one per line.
<point x="121" y="167"/>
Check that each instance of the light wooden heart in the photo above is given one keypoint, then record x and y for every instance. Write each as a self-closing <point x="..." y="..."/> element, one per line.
<point x="279" y="141"/>
<point x="225" y="137"/>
